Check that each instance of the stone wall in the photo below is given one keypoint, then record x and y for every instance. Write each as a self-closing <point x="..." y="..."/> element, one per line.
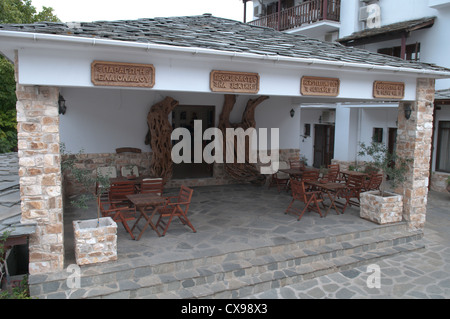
<point x="414" y="141"/>
<point x="40" y="175"/>
<point x="142" y="161"/>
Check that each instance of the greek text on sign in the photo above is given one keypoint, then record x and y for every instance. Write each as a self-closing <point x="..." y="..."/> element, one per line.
<point x="122" y="74"/>
<point x="390" y="90"/>
<point x="311" y="85"/>
<point x="236" y="82"/>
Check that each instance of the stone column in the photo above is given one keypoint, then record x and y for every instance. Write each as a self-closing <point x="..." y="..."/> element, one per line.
<point x="414" y="141"/>
<point x="40" y="174"/>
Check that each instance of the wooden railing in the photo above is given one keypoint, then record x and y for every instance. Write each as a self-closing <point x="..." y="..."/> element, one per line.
<point x="307" y="12"/>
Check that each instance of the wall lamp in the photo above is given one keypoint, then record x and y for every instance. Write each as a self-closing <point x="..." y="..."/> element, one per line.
<point x="61" y="105"/>
<point x="407" y="110"/>
<point x="292" y="112"/>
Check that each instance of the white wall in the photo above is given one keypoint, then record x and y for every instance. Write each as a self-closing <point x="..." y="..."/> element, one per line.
<point x="99" y="120"/>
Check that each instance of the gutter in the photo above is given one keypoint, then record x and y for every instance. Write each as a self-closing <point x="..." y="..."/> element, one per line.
<point x="193" y="50"/>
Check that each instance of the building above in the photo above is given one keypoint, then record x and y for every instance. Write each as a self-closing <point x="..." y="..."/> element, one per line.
<point x="312" y="18"/>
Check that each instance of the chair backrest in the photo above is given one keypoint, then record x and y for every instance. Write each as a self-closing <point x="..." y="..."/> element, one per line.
<point x="332" y="173"/>
<point x="295" y="163"/>
<point x="152" y="185"/>
<point x="298" y="190"/>
<point x="185" y="194"/>
<point x="355" y="182"/>
<point x="312" y="175"/>
<point x="129" y="170"/>
<point x="375" y="181"/>
<point x="119" y="191"/>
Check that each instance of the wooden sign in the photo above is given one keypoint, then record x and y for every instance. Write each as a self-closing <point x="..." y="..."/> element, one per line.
<point x="234" y="82"/>
<point x="317" y="86"/>
<point x="122" y="74"/>
<point x="390" y="90"/>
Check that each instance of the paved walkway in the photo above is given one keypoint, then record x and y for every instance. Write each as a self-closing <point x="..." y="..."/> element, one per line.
<point x="418" y="275"/>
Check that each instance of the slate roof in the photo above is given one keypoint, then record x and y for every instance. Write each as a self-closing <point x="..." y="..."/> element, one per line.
<point x="442" y="95"/>
<point x="395" y="28"/>
<point x="206" y="31"/>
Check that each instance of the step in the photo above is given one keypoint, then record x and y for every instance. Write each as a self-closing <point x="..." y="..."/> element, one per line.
<point x="234" y="274"/>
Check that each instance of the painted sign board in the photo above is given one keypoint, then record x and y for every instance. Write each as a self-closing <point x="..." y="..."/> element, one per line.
<point x="234" y="82"/>
<point x="122" y="74"/>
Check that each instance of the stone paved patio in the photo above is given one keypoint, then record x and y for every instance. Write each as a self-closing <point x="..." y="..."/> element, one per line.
<point x="227" y="218"/>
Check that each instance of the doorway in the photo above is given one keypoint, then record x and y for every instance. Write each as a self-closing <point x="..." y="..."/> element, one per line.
<point x="323" y="145"/>
<point x="184" y="116"/>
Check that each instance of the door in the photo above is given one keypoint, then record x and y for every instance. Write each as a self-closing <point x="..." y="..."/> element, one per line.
<point x="323" y="145"/>
<point x="184" y="116"/>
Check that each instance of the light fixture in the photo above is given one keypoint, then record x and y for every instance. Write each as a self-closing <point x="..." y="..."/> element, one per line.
<point x="61" y="105"/>
<point x="407" y="111"/>
<point x="292" y="112"/>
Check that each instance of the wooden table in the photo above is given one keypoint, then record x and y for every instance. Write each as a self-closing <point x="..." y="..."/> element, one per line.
<point x="332" y="190"/>
<point x="143" y="201"/>
<point x="354" y="173"/>
<point x="296" y="172"/>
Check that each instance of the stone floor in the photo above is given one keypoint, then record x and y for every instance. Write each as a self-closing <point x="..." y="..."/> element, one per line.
<point x="227" y="218"/>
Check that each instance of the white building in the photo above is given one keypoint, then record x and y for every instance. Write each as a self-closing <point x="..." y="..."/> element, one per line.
<point x="410" y="29"/>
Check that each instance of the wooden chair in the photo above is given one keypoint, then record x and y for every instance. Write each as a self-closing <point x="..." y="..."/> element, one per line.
<point x="331" y="176"/>
<point x="373" y="183"/>
<point x="122" y="214"/>
<point x="295" y="163"/>
<point x="353" y="189"/>
<point x="176" y="206"/>
<point x="280" y="179"/>
<point x="152" y="185"/>
<point x="311" y="199"/>
<point x="105" y="172"/>
<point x="118" y="194"/>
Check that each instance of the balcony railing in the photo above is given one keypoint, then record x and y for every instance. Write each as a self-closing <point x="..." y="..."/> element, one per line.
<point x="305" y="13"/>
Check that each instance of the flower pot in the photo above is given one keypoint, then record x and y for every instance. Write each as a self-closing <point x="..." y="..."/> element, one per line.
<point x="385" y="209"/>
<point x="95" y="240"/>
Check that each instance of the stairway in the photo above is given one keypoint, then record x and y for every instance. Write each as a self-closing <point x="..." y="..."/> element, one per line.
<point x="236" y="274"/>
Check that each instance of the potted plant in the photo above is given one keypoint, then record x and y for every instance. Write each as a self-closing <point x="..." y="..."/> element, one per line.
<point x="95" y="239"/>
<point x="382" y="206"/>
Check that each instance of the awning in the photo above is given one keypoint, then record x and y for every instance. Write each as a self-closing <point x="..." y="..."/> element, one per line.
<point x="387" y="32"/>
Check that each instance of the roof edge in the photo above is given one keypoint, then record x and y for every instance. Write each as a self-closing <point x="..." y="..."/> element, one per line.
<point x="197" y="50"/>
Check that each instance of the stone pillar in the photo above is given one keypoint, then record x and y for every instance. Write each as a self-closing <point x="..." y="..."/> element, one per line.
<point x="414" y="141"/>
<point x="40" y="174"/>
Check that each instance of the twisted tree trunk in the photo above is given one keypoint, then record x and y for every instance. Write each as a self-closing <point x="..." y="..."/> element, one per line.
<point x="243" y="172"/>
<point x="159" y="137"/>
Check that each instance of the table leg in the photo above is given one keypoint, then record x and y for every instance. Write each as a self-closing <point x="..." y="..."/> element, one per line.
<point x="148" y="222"/>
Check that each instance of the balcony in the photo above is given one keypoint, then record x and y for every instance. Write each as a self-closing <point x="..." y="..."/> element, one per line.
<point x="299" y="16"/>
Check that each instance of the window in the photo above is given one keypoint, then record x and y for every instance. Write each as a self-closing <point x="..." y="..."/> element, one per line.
<point x="377" y="135"/>
<point x="443" y="147"/>
<point x="412" y="52"/>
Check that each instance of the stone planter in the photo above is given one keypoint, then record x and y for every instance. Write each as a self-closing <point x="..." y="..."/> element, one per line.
<point x="95" y="244"/>
<point x="381" y="210"/>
